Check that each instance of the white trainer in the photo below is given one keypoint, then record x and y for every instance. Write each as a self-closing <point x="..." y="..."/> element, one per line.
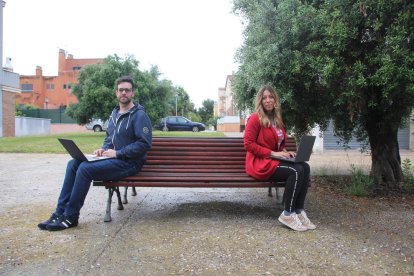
<point x="305" y="221"/>
<point x="292" y="221"/>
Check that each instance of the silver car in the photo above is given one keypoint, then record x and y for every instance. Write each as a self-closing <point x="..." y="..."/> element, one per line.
<point x="97" y="125"/>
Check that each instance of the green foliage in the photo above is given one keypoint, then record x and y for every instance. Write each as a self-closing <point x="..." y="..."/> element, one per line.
<point x="194" y="117"/>
<point x="361" y="184"/>
<point x="19" y="110"/>
<point x="206" y="112"/>
<point x="350" y="61"/>
<point x="184" y="105"/>
<point x="212" y="122"/>
<point x="408" y="172"/>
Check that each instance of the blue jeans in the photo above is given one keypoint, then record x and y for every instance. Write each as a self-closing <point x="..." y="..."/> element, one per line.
<point x="79" y="176"/>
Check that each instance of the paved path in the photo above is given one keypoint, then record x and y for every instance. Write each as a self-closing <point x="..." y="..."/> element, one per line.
<point x="198" y="231"/>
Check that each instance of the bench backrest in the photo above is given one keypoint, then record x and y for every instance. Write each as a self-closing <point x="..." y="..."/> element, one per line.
<point x="187" y="154"/>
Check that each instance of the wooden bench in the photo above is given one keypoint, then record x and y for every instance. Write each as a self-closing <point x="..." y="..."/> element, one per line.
<point x="191" y="162"/>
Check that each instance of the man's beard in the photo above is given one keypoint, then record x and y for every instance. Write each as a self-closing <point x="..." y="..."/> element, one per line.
<point x="125" y="101"/>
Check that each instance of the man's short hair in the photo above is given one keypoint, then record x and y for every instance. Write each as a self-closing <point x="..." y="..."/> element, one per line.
<point x="125" y="79"/>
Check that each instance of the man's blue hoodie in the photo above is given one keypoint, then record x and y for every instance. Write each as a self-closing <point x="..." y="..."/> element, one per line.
<point x="130" y="135"/>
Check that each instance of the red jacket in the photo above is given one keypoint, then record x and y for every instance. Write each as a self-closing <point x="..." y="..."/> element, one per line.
<point x="259" y="141"/>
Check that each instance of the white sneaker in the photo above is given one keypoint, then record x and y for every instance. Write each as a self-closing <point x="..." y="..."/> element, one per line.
<point x="292" y="221"/>
<point x="305" y="221"/>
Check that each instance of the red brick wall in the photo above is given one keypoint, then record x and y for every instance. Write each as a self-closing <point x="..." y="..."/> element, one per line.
<point x="8" y="114"/>
<point x="59" y="96"/>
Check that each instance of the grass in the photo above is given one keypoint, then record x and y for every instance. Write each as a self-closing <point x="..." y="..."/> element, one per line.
<point x="87" y="142"/>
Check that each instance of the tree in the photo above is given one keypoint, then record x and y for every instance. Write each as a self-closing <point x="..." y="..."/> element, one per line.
<point x="350" y="61"/>
<point x="206" y="112"/>
<point x="95" y="91"/>
<point x="184" y="104"/>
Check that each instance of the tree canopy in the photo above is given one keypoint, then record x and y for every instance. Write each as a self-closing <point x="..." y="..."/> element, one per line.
<point x="206" y="112"/>
<point x="349" y="61"/>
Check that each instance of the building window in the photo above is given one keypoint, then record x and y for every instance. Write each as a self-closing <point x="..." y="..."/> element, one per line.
<point x="64" y="86"/>
<point x="27" y="87"/>
<point x="76" y="68"/>
<point x="50" y="86"/>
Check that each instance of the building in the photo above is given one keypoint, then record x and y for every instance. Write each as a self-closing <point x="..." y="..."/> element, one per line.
<point x="52" y="92"/>
<point x="9" y="87"/>
<point x="229" y="117"/>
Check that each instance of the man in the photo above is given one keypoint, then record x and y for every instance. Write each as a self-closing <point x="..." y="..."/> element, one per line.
<point x="128" y="138"/>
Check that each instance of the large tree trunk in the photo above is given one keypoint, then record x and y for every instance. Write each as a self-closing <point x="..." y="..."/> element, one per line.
<point x="385" y="154"/>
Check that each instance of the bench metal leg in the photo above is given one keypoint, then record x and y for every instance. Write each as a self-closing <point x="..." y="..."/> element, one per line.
<point x="118" y="194"/>
<point x="111" y="191"/>
<point x="270" y="192"/>
<point x="278" y="194"/>
<point x="125" y="197"/>
<point x="108" y="205"/>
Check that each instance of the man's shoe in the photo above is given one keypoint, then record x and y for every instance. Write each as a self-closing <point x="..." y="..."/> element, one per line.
<point x="292" y="221"/>
<point x="62" y="223"/>
<point x="54" y="217"/>
<point x="305" y="221"/>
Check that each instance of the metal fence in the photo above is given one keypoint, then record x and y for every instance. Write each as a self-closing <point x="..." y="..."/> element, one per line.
<point x="57" y="116"/>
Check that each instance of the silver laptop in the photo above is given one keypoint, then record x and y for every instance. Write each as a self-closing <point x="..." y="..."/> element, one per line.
<point x="76" y="153"/>
<point x="303" y="153"/>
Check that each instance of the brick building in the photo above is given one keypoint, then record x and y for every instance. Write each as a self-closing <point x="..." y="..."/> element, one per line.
<point x="52" y="92"/>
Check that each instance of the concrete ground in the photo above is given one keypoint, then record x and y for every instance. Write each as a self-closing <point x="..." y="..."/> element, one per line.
<point x="200" y="231"/>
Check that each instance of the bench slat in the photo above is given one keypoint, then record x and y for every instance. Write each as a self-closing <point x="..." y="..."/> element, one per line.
<point x="252" y="184"/>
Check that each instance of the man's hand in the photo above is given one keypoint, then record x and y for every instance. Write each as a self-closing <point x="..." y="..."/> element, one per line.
<point x="109" y="153"/>
<point x="98" y="152"/>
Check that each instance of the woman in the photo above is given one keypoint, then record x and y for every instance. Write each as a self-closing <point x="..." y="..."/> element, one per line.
<point x="264" y="138"/>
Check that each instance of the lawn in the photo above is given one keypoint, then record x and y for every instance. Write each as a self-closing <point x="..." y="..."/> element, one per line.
<point x="88" y="142"/>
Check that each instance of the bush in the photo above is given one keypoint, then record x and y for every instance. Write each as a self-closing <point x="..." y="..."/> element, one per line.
<point x="408" y="175"/>
<point x="361" y="184"/>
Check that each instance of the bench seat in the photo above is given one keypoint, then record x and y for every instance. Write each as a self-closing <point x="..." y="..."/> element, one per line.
<point x="191" y="162"/>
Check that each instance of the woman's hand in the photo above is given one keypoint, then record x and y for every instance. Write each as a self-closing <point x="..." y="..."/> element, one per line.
<point x="284" y="154"/>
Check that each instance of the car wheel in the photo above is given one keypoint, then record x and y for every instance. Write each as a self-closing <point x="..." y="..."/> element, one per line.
<point x="164" y="128"/>
<point x="97" y="128"/>
<point x="195" y="129"/>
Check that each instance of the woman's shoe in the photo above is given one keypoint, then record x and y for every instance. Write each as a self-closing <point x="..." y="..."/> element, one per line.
<point x="305" y="221"/>
<point x="292" y="221"/>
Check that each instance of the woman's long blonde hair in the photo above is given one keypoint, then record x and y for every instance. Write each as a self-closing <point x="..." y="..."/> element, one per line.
<point x="276" y="116"/>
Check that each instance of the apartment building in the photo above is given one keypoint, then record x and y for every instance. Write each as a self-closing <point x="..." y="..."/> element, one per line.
<point x="52" y="92"/>
<point x="229" y="117"/>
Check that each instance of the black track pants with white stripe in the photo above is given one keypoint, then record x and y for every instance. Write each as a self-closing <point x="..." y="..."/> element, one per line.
<point x="296" y="176"/>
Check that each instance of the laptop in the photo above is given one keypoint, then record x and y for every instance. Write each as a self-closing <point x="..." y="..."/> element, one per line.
<point x="76" y="153"/>
<point x="303" y="153"/>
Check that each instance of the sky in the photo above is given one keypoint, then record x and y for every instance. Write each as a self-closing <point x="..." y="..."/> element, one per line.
<point x="193" y="42"/>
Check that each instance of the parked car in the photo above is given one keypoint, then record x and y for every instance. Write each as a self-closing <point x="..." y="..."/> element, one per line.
<point x="97" y="125"/>
<point x="179" y="123"/>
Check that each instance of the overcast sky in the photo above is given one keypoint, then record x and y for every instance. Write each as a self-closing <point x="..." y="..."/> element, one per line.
<point x="193" y="42"/>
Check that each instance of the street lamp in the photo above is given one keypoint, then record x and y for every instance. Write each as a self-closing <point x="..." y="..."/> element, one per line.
<point x="46" y="101"/>
<point x="176" y="99"/>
